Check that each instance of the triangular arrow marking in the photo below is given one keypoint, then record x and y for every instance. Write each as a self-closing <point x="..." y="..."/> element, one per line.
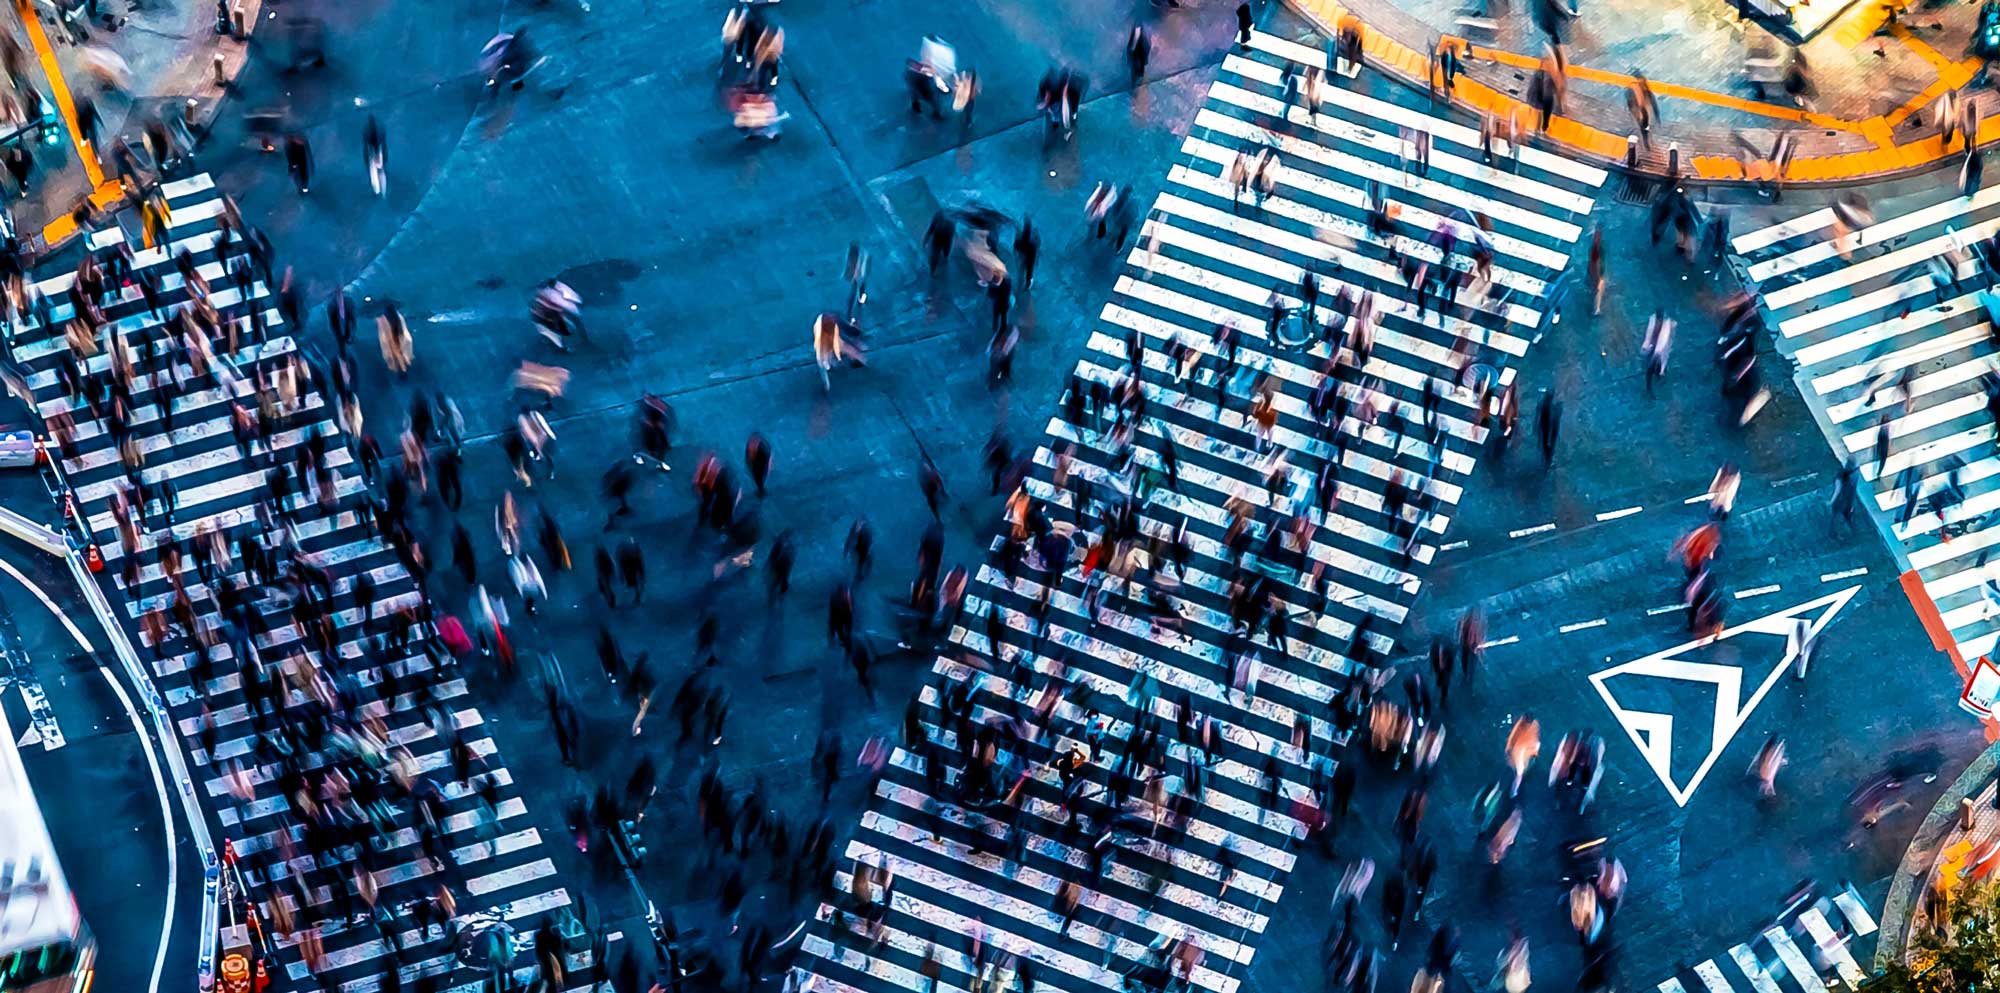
<point x="1652" y="733"/>
<point x="33" y="737"/>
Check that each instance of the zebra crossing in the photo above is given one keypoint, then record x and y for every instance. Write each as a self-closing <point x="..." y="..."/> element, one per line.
<point x="1891" y="326"/>
<point x="1812" y="953"/>
<point x="974" y="894"/>
<point x="502" y="870"/>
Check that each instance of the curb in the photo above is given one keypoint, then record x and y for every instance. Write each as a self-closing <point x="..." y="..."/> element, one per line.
<point x="1606" y="149"/>
<point x="1919" y="857"/>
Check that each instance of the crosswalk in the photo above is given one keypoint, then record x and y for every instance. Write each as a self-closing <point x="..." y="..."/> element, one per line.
<point x="1044" y="660"/>
<point x="1813" y="952"/>
<point x="1895" y="348"/>
<point x="498" y="862"/>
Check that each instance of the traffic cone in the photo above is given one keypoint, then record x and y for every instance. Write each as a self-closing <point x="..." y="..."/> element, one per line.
<point x="41" y="451"/>
<point x="92" y="560"/>
<point x="262" y="980"/>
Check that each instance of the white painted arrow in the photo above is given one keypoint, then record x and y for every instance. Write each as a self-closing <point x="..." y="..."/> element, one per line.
<point x="1652" y="733"/>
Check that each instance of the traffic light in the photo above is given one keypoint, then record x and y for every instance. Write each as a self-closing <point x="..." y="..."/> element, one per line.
<point x="51" y="124"/>
<point x="1986" y="41"/>
<point x="630" y="847"/>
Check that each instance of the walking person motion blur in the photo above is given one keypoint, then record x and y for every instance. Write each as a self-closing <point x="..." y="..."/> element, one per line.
<point x="556" y="311"/>
<point x="375" y="155"/>
<point x="835" y="341"/>
<point x="506" y="59"/>
<point x="1161" y="622"/>
<point x="1658" y="343"/>
<point x="1764" y="767"/>
<point x="298" y="161"/>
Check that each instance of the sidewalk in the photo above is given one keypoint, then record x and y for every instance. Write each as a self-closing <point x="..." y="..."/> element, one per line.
<point x="1943" y="856"/>
<point x="1864" y="118"/>
<point x="169" y="46"/>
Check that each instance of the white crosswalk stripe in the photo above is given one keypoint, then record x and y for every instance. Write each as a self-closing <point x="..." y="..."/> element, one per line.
<point x="1813" y="951"/>
<point x="1050" y="658"/>
<point x="1896" y="355"/>
<point x="493" y="860"/>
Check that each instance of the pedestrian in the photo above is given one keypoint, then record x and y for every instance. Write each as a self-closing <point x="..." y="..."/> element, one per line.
<point x="932" y="483"/>
<point x="607" y="576"/>
<point x="757" y="456"/>
<point x="1244" y="22"/>
<point x="1644" y="107"/>
<point x="1138" y="51"/>
<point x="778" y="578"/>
<point x="398" y="346"/>
<point x="632" y="568"/>
<point x="1000" y="294"/>
<point x="1448" y="64"/>
<point x="1524" y="743"/>
<point x="616" y="487"/>
<point x="375" y="155"/>
<point x="1027" y="246"/>
<point x="1845" y="482"/>
<point x="1395" y="907"/>
<point x="860" y="548"/>
<point x="1595" y="270"/>
<point x="1657" y="345"/>
<point x="298" y="161"/>
<point x="938" y="238"/>
<point x="340" y="319"/>
<point x="1764" y="767"/>
<point x="840" y="616"/>
<point x="1801" y="641"/>
<point x="451" y="489"/>
<point x="528" y="583"/>
<point x="832" y="344"/>
<point x="1722" y="491"/>
<point x="1548" y="422"/>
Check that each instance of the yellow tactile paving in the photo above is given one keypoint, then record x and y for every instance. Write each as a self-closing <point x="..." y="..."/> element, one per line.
<point x="1863" y="21"/>
<point x="1887" y="156"/>
<point x="58" y="87"/>
<point x="1947" y="69"/>
<point x="63" y="228"/>
<point x="1481" y="53"/>
<point x="1951" y="866"/>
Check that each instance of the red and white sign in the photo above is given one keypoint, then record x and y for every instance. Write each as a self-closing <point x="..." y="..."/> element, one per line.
<point x="1982" y="689"/>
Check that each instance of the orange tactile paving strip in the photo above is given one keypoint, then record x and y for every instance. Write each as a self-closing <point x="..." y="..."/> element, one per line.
<point x="1586" y="140"/>
<point x="104" y="192"/>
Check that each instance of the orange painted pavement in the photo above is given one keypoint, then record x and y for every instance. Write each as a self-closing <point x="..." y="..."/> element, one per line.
<point x="64" y="228"/>
<point x="1947" y="69"/>
<point x="1676" y="90"/>
<point x="1886" y="157"/>
<point x="59" y="89"/>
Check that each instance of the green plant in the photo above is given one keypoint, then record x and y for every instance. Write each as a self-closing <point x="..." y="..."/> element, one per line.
<point x="1960" y="954"/>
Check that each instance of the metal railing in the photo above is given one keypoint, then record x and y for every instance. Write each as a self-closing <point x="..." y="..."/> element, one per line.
<point x="74" y="540"/>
